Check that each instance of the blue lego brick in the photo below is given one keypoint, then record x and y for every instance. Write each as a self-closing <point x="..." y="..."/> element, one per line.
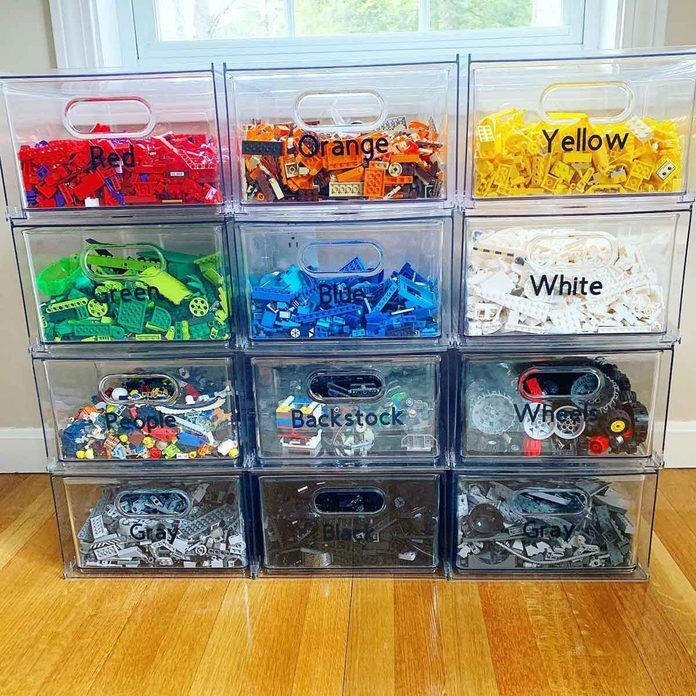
<point x="418" y="294"/>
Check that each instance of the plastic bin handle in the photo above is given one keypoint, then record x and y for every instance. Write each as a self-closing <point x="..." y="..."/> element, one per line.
<point x="571" y="250"/>
<point x="95" y="257"/>
<point x="124" y="389"/>
<point x="360" y="251"/>
<point x="565" y="501"/>
<point x="348" y="501"/>
<point x="329" y="103"/>
<point x="335" y="386"/>
<point x="153" y="503"/>
<point x="622" y="89"/>
<point x="74" y="104"/>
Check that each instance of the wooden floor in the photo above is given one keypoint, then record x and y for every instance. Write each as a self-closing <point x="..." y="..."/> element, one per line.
<point x="327" y="637"/>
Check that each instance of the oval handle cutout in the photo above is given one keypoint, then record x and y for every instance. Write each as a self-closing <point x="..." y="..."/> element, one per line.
<point x="554" y="383"/>
<point x="610" y="101"/>
<point x="141" y="389"/>
<point x="572" y="250"/>
<point x="349" y="501"/>
<point x="153" y="503"/>
<point x="125" y="117"/>
<point x="340" y="112"/>
<point x="102" y="262"/>
<point x="333" y="387"/>
<point x="550" y="502"/>
<point x="341" y="259"/>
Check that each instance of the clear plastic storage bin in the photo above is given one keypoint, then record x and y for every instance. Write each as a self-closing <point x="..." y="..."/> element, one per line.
<point x="126" y="283"/>
<point x="577" y="275"/>
<point x="119" y="523"/>
<point x="348" y="408"/>
<point x="111" y="140"/>
<point x="564" y="524"/>
<point x="581" y="126"/>
<point x="357" y="281"/>
<point x="335" y="135"/>
<point x="607" y="406"/>
<point x="350" y="522"/>
<point x="155" y="411"/>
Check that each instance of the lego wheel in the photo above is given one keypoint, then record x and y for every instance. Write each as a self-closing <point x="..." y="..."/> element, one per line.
<point x="199" y="306"/>
<point x="485" y="520"/>
<point x="538" y="428"/>
<point x="569" y="422"/>
<point x="493" y="413"/>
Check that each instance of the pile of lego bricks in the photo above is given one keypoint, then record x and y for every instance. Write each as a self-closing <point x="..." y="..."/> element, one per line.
<point x="165" y="169"/>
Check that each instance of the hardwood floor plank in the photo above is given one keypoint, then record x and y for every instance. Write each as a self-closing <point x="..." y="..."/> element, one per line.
<point x="321" y="660"/>
<point x="174" y="665"/>
<point x="516" y="656"/>
<point x="675" y="595"/>
<point x="146" y="628"/>
<point x="675" y="534"/>
<point x="270" y="624"/>
<point x="663" y="654"/>
<point x="467" y="650"/>
<point x="680" y="493"/>
<point x="564" y="657"/>
<point x="613" y="658"/>
<point x="95" y="618"/>
<point x="420" y="664"/>
<point x="25" y="525"/>
<point x="371" y="653"/>
<point x="18" y="498"/>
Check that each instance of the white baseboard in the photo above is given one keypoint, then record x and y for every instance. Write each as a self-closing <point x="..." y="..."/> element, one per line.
<point x="681" y="444"/>
<point x="22" y="449"/>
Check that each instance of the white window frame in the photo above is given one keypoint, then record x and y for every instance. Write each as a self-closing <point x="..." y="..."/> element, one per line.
<point x="123" y="33"/>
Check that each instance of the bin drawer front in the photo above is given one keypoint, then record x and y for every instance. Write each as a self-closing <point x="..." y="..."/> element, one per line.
<point x="604" y="406"/>
<point x="156" y="411"/>
<point x="553" y="523"/>
<point x="350" y="521"/>
<point x="160" y="523"/>
<point x="136" y="283"/>
<point x="347" y="407"/>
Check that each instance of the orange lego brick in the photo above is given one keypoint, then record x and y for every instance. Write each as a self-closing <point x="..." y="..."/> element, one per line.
<point x="374" y="183"/>
<point x="355" y="174"/>
<point x="343" y="154"/>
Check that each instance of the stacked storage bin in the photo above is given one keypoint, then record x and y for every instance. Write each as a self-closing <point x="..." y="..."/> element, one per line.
<point x="577" y="217"/>
<point x="343" y="182"/>
<point x="114" y="184"/>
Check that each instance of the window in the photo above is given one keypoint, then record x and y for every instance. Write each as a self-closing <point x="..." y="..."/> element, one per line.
<point x="268" y="33"/>
<point x="206" y="20"/>
<point x="256" y="32"/>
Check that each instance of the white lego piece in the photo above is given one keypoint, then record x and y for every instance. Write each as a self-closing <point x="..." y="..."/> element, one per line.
<point x="638" y="127"/>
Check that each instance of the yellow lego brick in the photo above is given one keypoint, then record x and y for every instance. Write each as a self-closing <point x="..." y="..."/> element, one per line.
<point x="540" y="168"/>
<point x="483" y="166"/>
<point x="502" y="175"/>
<point x="486" y="140"/>
<point x="641" y="170"/>
<point x="633" y="183"/>
<point x="618" y="176"/>
<point x="562" y="171"/>
<point x="549" y="183"/>
<point x="665" y="169"/>
<point x="577" y="157"/>
<point x="600" y="159"/>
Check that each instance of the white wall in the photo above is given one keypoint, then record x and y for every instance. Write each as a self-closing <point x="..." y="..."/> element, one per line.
<point x="26" y="46"/>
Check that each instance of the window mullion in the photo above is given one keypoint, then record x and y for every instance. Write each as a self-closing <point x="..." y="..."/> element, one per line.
<point x="424" y="15"/>
<point x="290" y="17"/>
